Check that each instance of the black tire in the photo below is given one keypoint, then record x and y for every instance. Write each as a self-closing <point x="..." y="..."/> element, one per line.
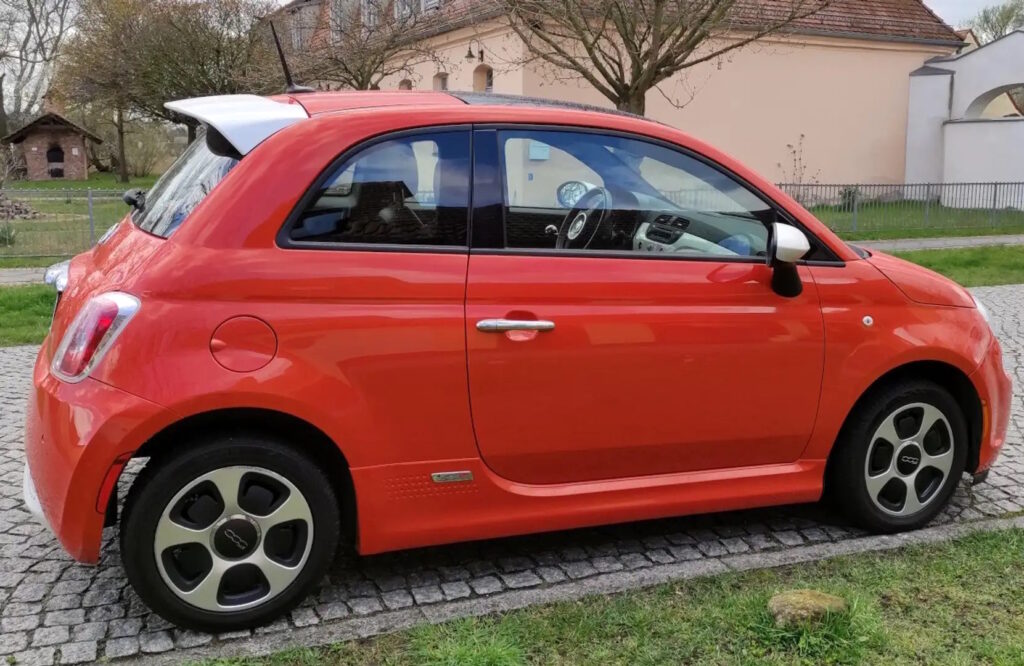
<point x="847" y="478"/>
<point x="166" y="475"/>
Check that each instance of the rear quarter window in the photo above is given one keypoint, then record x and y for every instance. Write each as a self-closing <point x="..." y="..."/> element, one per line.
<point x="182" y="187"/>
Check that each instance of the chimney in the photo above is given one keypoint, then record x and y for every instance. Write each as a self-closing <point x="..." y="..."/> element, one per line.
<point x="50" y="105"/>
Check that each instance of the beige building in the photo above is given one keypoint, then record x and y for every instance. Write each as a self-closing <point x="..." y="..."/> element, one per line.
<point x="827" y="101"/>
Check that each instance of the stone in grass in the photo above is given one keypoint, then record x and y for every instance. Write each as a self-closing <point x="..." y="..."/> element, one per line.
<point x="800" y="606"/>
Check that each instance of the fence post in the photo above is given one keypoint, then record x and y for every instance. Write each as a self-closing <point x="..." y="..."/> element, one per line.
<point x="927" y="206"/>
<point x="856" y="192"/>
<point x="92" y="222"/>
<point x="995" y="203"/>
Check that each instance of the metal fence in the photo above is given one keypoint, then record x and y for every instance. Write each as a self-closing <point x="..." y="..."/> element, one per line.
<point x="55" y="223"/>
<point x="918" y="209"/>
<point x="59" y="223"/>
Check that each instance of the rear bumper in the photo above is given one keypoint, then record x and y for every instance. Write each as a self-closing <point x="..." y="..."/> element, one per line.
<point x="995" y="388"/>
<point x="28" y="492"/>
<point x="74" y="435"/>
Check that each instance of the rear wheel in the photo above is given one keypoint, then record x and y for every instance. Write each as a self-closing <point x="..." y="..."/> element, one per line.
<point x="229" y="534"/>
<point x="900" y="457"/>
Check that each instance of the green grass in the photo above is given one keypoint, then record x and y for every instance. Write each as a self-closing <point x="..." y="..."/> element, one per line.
<point x="96" y="181"/>
<point x="25" y="313"/>
<point x="911" y="219"/>
<point x="29" y="262"/>
<point x="975" y="266"/>
<point x="957" y="603"/>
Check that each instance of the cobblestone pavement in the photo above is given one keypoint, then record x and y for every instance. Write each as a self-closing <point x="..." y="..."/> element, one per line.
<point x="56" y="611"/>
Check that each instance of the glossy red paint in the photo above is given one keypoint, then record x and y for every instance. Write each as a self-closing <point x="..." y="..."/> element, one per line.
<point x="716" y="393"/>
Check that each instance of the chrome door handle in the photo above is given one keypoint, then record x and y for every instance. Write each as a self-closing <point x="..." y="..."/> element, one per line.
<point x="501" y="325"/>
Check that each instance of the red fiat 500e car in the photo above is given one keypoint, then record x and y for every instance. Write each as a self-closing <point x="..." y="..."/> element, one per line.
<point x="416" y="318"/>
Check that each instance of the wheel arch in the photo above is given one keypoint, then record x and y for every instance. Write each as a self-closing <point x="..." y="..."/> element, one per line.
<point x="944" y="374"/>
<point x="297" y="432"/>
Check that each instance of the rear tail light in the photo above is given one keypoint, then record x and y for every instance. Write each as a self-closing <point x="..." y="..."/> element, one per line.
<point x="91" y="334"/>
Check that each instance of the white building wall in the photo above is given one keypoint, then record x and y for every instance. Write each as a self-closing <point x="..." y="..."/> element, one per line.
<point x="985" y="73"/>
<point x="984" y="151"/>
<point x="928" y="110"/>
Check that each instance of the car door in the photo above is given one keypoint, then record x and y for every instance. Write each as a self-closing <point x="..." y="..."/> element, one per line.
<point x="650" y="341"/>
<point x="376" y="295"/>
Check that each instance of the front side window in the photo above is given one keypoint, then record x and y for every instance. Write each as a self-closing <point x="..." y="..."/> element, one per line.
<point x="181" y="188"/>
<point x="412" y="190"/>
<point x="583" y="192"/>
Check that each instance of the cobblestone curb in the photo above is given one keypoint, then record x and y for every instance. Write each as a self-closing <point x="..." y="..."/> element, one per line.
<point x="393" y="621"/>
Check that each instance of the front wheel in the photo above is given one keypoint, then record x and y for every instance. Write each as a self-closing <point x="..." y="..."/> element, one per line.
<point x="899" y="459"/>
<point x="229" y="534"/>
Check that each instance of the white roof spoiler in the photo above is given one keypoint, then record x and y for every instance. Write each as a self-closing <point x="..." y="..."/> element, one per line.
<point x="244" y="120"/>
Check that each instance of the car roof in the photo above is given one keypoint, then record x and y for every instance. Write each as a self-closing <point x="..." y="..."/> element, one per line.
<point x="343" y="100"/>
<point x="247" y="120"/>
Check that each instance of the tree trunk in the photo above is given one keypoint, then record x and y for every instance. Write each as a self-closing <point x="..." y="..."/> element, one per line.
<point x="635" y="103"/>
<point x="3" y="109"/>
<point x="122" y="161"/>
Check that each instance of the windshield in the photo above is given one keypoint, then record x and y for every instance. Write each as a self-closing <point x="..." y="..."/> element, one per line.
<point x="181" y="188"/>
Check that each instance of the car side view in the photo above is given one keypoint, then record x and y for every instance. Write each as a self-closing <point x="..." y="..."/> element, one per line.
<point x="386" y="320"/>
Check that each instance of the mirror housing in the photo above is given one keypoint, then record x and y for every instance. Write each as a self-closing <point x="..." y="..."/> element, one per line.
<point x="788" y="246"/>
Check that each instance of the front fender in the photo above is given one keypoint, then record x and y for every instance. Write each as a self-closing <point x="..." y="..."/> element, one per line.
<point x="871" y="329"/>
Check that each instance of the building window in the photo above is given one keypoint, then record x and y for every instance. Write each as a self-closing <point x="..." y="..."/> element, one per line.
<point x="440" y="81"/>
<point x="371" y="13"/>
<point x="483" y="79"/>
<point x="405" y="84"/>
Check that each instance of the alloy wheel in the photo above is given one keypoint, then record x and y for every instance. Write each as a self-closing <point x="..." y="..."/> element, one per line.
<point x="233" y="538"/>
<point x="909" y="459"/>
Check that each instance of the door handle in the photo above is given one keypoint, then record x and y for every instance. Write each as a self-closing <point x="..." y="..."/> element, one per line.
<point x="501" y="325"/>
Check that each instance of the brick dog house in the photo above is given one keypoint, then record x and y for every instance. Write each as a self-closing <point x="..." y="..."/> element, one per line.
<point x="53" y="147"/>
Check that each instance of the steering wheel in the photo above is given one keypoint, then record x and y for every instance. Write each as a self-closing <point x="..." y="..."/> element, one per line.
<point x="581" y="224"/>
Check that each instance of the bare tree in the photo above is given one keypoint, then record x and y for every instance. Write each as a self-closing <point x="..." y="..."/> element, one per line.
<point x="359" y="43"/>
<point x="625" y="48"/>
<point x="31" y="35"/>
<point x="202" y="47"/>
<point x="129" y="57"/>
<point x="999" y="20"/>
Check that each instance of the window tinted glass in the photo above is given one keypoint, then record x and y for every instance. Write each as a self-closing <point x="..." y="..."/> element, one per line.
<point x="182" y="187"/>
<point x="587" y="192"/>
<point x="408" y="191"/>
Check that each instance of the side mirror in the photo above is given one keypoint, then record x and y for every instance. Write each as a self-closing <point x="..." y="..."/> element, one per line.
<point x="788" y="246"/>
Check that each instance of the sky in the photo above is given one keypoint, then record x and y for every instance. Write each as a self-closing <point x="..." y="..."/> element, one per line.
<point x="958" y="12"/>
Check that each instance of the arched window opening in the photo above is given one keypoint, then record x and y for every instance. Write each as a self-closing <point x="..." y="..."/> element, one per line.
<point x="55" y="161"/>
<point x="1002" y="102"/>
<point x="441" y="81"/>
<point x="55" y="155"/>
<point x="483" y="79"/>
<point x="405" y="84"/>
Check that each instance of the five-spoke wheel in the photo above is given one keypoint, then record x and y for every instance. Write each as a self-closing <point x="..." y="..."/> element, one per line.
<point x="233" y="538"/>
<point x="230" y="534"/>
<point x="910" y="456"/>
<point x="900" y="457"/>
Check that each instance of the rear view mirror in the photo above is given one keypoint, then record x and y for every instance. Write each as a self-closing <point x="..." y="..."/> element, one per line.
<point x="788" y="246"/>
